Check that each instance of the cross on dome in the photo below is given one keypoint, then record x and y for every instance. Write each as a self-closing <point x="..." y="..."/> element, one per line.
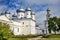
<point x="28" y="8"/>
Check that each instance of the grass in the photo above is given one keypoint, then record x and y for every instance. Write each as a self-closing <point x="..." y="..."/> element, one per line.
<point x="17" y="38"/>
<point x="22" y="37"/>
<point x="25" y="36"/>
<point x="52" y="36"/>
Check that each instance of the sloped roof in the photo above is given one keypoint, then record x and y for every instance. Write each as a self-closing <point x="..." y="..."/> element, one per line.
<point x="3" y="17"/>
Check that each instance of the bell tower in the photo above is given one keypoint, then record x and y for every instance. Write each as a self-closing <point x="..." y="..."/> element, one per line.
<point x="21" y="12"/>
<point x="46" y="21"/>
<point x="28" y="12"/>
<point x="48" y="13"/>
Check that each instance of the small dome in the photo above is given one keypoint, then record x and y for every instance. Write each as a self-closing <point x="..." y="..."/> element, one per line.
<point x="14" y="15"/>
<point x="48" y="9"/>
<point x="21" y="9"/>
<point x="28" y="9"/>
<point x="7" y="12"/>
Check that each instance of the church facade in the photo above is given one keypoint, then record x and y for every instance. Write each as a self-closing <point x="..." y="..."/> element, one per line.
<point x="22" y="23"/>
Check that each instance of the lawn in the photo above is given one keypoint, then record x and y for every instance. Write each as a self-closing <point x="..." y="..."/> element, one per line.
<point x="17" y="38"/>
<point x="52" y="36"/>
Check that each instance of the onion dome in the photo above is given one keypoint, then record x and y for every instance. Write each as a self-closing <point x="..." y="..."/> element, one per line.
<point x="48" y="9"/>
<point x="14" y="15"/>
<point x="20" y="10"/>
<point x="28" y="9"/>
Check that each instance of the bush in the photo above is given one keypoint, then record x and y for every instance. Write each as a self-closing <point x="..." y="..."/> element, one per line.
<point x="5" y="33"/>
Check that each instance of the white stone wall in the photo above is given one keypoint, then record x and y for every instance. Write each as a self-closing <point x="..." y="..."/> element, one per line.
<point x="38" y="31"/>
<point x="25" y="26"/>
<point x="15" y="28"/>
<point x="3" y="17"/>
<point x="8" y="16"/>
<point x="33" y="29"/>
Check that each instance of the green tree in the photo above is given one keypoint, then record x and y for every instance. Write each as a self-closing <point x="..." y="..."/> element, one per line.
<point x="4" y="31"/>
<point x="50" y="24"/>
<point x="58" y="23"/>
<point x="54" y="24"/>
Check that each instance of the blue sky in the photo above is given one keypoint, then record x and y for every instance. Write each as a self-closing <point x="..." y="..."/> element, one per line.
<point x="39" y="6"/>
<point x="36" y="5"/>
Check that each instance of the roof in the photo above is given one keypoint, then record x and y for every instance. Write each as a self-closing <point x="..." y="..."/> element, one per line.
<point x="4" y="18"/>
<point x="20" y="10"/>
<point x="28" y="9"/>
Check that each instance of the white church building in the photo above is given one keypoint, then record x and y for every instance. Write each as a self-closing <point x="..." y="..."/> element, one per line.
<point x="22" y="23"/>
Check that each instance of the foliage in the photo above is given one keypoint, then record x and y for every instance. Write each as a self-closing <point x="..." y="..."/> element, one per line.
<point x="52" y="26"/>
<point x="4" y="31"/>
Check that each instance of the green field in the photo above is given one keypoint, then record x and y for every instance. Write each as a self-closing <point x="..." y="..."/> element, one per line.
<point x="52" y="36"/>
<point x="17" y="38"/>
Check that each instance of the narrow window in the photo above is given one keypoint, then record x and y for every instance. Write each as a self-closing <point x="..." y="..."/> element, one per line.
<point x="18" y="29"/>
<point x="23" y="22"/>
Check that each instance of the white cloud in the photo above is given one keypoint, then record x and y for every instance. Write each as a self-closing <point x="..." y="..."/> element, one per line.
<point x="52" y="4"/>
<point x="42" y="1"/>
